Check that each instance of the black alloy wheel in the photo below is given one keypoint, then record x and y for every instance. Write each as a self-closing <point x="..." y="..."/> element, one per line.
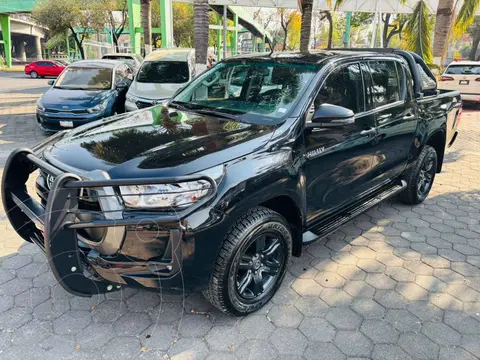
<point x="425" y="177"/>
<point x="259" y="266"/>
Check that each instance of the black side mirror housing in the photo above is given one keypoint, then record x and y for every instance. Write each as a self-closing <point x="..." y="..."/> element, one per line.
<point x="122" y="85"/>
<point x="51" y="82"/>
<point x="328" y="115"/>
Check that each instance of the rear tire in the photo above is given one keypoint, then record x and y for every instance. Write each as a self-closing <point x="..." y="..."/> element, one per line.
<point x="420" y="177"/>
<point x="252" y="262"/>
<point x="34" y="75"/>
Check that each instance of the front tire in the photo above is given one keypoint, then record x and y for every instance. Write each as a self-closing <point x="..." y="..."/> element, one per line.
<point x="420" y="177"/>
<point x="34" y="75"/>
<point x="251" y="263"/>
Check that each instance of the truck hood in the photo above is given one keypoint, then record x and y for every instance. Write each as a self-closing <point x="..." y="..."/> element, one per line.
<point x="64" y="99"/>
<point x="158" y="141"/>
<point x="153" y="91"/>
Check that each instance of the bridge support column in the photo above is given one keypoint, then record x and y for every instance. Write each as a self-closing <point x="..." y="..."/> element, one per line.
<point x="38" y="48"/>
<point x="20" y="52"/>
<point x="7" y="40"/>
<point x="166" y="16"/>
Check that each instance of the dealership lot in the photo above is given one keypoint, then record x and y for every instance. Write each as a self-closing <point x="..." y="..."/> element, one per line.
<point x="399" y="282"/>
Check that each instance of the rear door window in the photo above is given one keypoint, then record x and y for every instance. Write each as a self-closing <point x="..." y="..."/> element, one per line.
<point x="385" y="82"/>
<point x="164" y="72"/>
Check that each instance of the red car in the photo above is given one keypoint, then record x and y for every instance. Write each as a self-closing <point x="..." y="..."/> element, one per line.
<point x="44" y="68"/>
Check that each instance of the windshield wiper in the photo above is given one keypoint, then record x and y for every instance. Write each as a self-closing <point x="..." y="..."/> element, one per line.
<point x="202" y="110"/>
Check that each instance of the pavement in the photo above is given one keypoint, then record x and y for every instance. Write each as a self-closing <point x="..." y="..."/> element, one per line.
<point x="398" y="282"/>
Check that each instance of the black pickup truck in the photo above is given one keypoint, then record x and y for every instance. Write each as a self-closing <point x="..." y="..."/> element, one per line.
<point x="215" y="190"/>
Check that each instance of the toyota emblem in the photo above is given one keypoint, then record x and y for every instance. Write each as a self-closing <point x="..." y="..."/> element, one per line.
<point x="50" y="179"/>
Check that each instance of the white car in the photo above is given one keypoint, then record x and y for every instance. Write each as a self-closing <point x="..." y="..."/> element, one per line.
<point x="463" y="76"/>
<point x="162" y="73"/>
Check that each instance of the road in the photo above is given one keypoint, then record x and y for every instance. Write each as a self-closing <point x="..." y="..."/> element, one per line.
<point x="399" y="282"/>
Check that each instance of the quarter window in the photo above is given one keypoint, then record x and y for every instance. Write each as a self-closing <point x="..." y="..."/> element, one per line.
<point x="343" y="87"/>
<point x="385" y="84"/>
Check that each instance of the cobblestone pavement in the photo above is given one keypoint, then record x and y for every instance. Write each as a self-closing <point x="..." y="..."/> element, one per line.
<point x="399" y="282"/>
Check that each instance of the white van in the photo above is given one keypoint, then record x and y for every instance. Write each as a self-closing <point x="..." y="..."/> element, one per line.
<point x="463" y="76"/>
<point x="162" y="73"/>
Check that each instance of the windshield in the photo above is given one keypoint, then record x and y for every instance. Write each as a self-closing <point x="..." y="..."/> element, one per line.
<point x="85" y="79"/>
<point x="262" y="92"/>
<point x="463" y="70"/>
<point x="164" y="72"/>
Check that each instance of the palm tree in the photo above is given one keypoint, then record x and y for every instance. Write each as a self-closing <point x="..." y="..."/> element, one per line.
<point x="418" y="32"/>
<point x="307" y="9"/>
<point x="200" y="32"/>
<point x="147" y="25"/>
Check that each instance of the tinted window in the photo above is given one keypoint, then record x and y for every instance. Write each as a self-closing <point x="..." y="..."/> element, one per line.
<point x="463" y="70"/>
<point x="43" y="63"/>
<point x="385" y="84"/>
<point x="343" y="87"/>
<point x="85" y="78"/>
<point x="367" y="80"/>
<point x="257" y="91"/>
<point x="164" y="72"/>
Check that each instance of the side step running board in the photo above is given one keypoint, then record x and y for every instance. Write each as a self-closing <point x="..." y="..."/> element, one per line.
<point x="333" y="222"/>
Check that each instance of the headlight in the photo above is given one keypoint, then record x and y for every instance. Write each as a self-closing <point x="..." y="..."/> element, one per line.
<point x="99" y="108"/>
<point x="179" y="195"/>
<point x="40" y="106"/>
<point x="131" y="98"/>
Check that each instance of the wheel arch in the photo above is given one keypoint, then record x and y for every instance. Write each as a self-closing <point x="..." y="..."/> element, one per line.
<point x="437" y="140"/>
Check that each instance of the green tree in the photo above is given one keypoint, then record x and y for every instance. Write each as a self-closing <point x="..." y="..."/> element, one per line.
<point x="418" y="32"/>
<point x="294" y="28"/>
<point x="183" y="24"/>
<point x="61" y="16"/>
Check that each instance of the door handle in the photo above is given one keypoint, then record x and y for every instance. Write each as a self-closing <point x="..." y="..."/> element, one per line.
<point x="368" y="132"/>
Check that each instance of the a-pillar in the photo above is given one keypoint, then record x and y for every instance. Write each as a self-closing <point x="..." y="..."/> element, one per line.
<point x="166" y="23"/>
<point x="20" y="52"/>
<point x="38" y="48"/>
<point x="7" y="40"/>
<point x="134" y="22"/>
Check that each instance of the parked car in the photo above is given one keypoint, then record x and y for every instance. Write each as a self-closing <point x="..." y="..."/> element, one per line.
<point x="463" y="76"/>
<point x="162" y="73"/>
<point x="86" y="91"/>
<point x="216" y="190"/>
<point x="134" y="60"/>
<point x="44" y="68"/>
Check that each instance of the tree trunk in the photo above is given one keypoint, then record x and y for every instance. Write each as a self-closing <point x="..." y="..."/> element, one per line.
<point x="442" y="30"/>
<point x="200" y="32"/>
<point x="475" y="43"/>
<point x="305" y="30"/>
<point x="284" y="46"/>
<point x="328" y="15"/>
<point x="78" y="42"/>
<point x="147" y="25"/>
<point x="386" y="25"/>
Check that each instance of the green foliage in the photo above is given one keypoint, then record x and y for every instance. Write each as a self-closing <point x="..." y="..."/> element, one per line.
<point x="360" y="19"/>
<point x="418" y="32"/>
<point x="183" y="24"/>
<point x="466" y="15"/>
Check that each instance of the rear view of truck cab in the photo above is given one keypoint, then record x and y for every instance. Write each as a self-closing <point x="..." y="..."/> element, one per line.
<point x="463" y="76"/>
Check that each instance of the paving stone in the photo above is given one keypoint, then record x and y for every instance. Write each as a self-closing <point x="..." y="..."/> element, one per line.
<point x="463" y="293"/>
<point x="413" y="236"/>
<point x="215" y="355"/>
<point x="194" y="325"/>
<point x="195" y="349"/>
<point x="359" y="289"/>
<point x="381" y="247"/>
<point x="285" y="296"/>
<point x="448" y="353"/>
<point x="390" y="299"/>
<point x="418" y="268"/>
<point x="465" y="269"/>
<point x="323" y="351"/>
<point x="285" y="316"/>
<point x="256" y="327"/>
<point x="109" y="311"/>
<point x="31" y="333"/>
<point x="95" y="336"/>
<point x="336" y="297"/>
<point x="168" y="312"/>
<point x="407" y="254"/>
<point x="15" y="286"/>
<point x="389" y="352"/>
<point x="368" y="308"/>
<point x="311" y="306"/>
<point x="143" y="301"/>
<point x="289" y="341"/>
<point x="363" y="252"/>
<point x="32" y="270"/>
<point x="439" y="243"/>
<point x="411" y="291"/>
<point x="255" y="350"/>
<point x="449" y="276"/>
<point x="16" y="262"/>
<point x="462" y="322"/>
<point x="442" y="334"/>
<point x="436" y="261"/>
<point x="403" y="320"/>
<point x="51" y="309"/>
<point x="445" y="301"/>
<point x="474" y="260"/>
<point x="379" y="331"/>
<point x="6" y="275"/>
<point x="132" y="324"/>
<point x="418" y="346"/>
<point x="159" y="337"/>
<point x="307" y="287"/>
<point x="466" y="249"/>
<point x="351" y="272"/>
<point x="122" y="347"/>
<point x="32" y="297"/>
<point x="430" y="283"/>
<point x="72" y="322"/>
<point x="471" y="344"/>
<point x="317" y="329"/>
<point x="425" y="311"/>
<point x="344" y="319"/>
<point x="345" y="258"/>
<point x="329" y="279"/>
<point x="353" y="343"/>
<point x="389" y="259"/>
<point x="6" y="302"/>
<point x="400" y="274"/>
<point x="14" y="318"/>
<point x="380" y="281"/>
<point x="302" y="271"/>
<point x="371" y="266"/>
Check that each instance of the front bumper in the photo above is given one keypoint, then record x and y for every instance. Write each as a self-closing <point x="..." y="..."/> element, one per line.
<point x="52" y="121"/>
<point x="97" y="250"/>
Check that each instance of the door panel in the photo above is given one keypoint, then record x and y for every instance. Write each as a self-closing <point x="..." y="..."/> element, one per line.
<point x="339" y="159"/>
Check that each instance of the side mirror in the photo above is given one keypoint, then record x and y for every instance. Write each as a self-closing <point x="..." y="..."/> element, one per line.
<point x="328" y="115"/>
<point x="121" y="85"/>
<point x="51" y="82"/>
